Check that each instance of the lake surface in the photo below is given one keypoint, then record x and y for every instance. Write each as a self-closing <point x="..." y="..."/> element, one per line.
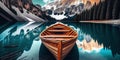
<point x="21" y="41"/>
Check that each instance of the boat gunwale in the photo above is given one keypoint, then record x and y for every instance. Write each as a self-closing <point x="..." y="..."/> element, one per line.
<point x="55" y="24"/>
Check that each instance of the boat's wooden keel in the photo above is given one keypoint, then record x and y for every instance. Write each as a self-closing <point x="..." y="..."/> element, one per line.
<point x="59" y="51"/>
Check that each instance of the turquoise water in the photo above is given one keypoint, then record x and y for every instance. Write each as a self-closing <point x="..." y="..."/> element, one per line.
<point x="28" y="46"/>
<point x="42" y="2"/>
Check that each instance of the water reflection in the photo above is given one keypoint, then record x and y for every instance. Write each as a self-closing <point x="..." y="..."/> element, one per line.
<point x="105" y="34"/>
<point x="95" y="42"/>
<point x="46" y="55"/>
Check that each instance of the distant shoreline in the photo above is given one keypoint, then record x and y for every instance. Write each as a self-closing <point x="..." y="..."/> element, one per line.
<point x="103" y="21"/>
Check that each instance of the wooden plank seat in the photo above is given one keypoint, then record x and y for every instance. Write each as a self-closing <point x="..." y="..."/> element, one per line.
<point x="59" y="36"/>
<point x="58" y="27"/>
<point x="58" y="30"/>
<point x="57" y="39"/>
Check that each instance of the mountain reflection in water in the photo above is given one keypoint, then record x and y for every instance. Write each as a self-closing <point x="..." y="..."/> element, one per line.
<point x="95" y="42"/>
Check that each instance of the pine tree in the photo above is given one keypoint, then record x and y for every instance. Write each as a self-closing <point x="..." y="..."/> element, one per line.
<point x="95" y="11"/>
<point x="103" y="10"/>
<point x="81" y="16"/>
<point x="85" y="15"/>
<point x="78" y="17"/>
<point x="99" y="10"/>
<point x="109" y="9"/>
<point x="91" y="13"/>
<point x="119" y="15"/>
<point x="116" y="9"/>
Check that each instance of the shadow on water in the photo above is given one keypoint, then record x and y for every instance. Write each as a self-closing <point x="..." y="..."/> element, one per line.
<point x="105" y="34"/>
<point x="74" y="54"/>
<point x="44" y="54"/>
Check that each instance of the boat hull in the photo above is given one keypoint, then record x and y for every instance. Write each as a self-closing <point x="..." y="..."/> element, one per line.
<point x="59" y="39"/>
<point x="53" y="47"/>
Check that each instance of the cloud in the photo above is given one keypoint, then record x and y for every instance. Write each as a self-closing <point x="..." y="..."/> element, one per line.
<point x="45" y="1"/>
<point x="48" y="1"/>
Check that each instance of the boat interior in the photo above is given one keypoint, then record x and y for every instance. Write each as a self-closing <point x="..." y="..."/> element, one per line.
<point x="59" y="32"/>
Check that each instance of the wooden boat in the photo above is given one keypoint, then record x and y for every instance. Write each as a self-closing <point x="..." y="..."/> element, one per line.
<point x="59" y="39"/>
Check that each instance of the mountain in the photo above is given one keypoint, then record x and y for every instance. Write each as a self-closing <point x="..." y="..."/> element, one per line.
<point x="92" y="1"/>
<point x="69" y="2"/>
<point x="63" y="8"/>
<point x="63" y="3"/>
<point x="88" y="5"/>
<point x="21" y="10"/>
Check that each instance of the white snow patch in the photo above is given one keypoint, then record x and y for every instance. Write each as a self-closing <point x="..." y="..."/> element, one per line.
<point x="58" y="17"/>
<point x="29" y="19"/>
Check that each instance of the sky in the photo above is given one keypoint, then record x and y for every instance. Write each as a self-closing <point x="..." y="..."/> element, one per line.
<point x="43" y="2"/>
